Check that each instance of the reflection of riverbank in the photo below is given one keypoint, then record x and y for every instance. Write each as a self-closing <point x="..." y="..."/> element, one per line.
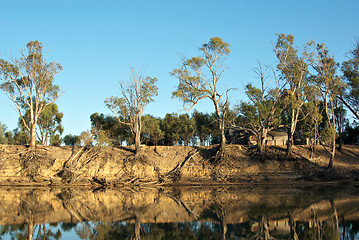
<point x="271" y="211"/>
<point x="45" y="205"/>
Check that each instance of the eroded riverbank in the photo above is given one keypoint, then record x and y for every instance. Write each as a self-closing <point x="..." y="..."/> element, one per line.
<point x="179" y="165"/>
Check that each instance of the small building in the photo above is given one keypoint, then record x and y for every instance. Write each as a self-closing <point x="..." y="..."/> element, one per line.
<point x="274" y="137"/>
<point x="277" y="137"/>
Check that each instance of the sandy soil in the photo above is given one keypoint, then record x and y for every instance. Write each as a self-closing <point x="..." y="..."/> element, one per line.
<point x="179" y="165"/>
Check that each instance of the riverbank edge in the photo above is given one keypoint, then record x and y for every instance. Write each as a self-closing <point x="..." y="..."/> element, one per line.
<point x="170" y="166"/>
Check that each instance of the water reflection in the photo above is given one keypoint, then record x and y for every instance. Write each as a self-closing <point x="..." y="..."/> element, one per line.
<point x="180" y="213"/>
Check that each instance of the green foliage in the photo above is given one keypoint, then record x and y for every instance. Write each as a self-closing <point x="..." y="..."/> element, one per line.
<point x="20" y="137"/>
<point x="293" y="63"/>
<point x="170" y="126"/>
<point x="2" y="133"/>
<point x="55" y="140"/>
<point x="350" y="68"/>
<point x="329" y="85"/>
<point x="204" y="126"/>
<point x="28" y="81"/>
<point x="198" y="79"/>
<point x="178" y="129"/>
<point x="351" y="133"/>
<point x="135" y="96"/>
<point x="48" y="124"/>
<point x="108" y="131"/>
<point x="262" y="112"/>
<point x="187" y="128"/>
<point x="194" y="84"/>
<point x="71" y="140"/>
<point x="10" y="138"/>
<point x="152" y="133"/>
<point x="86" y="138"/>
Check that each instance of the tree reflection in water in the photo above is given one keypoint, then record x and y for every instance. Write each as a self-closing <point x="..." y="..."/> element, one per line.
<point x="218" y="213"/>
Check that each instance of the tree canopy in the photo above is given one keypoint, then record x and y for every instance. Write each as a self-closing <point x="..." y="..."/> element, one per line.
<point x="28" y="81"/>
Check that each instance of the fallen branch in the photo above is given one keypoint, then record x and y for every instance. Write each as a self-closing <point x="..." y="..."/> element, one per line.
<point x="179" y="166"/>
<point x="174" y="174"/>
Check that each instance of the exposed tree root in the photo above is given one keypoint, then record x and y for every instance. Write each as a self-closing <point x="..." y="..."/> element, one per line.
<point x="175" y="174"/>
<point x="31" y="162"/>
<point x="72" y="169"/>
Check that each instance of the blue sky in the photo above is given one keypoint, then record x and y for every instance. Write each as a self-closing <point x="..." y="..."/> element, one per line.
<point x="97" y="42"/>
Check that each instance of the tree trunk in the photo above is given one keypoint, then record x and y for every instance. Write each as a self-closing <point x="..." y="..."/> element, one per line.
<point x="33" y="136"/>
<point x="224" y="229"/>
<point x="137" y="228"/>
<point x="30" y="227"/>
<point x="335" y="216"/>
<point x="137" y="141"/>
<point x="290" y="144"/>
<point x="340" y="138"/>
<point x="332" y="155"/>
<point x="223" y="137"/>
<point x="138" y="134"/>
<point x="262" y="140"/>
<point x="292" y="225"/>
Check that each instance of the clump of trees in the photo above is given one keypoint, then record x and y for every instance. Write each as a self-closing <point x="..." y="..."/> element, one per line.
<point x="303" y="93"/>
<point x="48" y="131"/>
<point x="174" y="129"/>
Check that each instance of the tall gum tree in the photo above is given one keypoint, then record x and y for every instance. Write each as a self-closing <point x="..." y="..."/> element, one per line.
<point x="350" y="70"/>
<point x="199" y="78"/>
<point x="293" y="66"/>
<point x="135" y="96"/>
<point x="28" y="82"/>
<point x="329" y="85"/>
<point x="261" y="114"/>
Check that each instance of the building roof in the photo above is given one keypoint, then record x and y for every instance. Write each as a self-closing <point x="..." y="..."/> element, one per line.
<point x="278" y="133"/>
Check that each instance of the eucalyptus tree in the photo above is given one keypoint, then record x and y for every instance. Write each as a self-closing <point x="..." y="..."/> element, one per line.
<point x="170" y="125"/>
<point x="48" y="124"/>
<point x="199" y="78"/>
<point x="350" y="70"/>
<point x="261" y="113"/>
<point x="108" y="130"/>
<point x="28" y="81"/>
<point x="71" y="140"/>
<point x="3" y="129"/>
<point x="293" y="65"/>
<point x="330" y="86"/>
<point x="135" y="96"/>
<point x="151" y="130"/>
<point x="187" y="127"/>
<point x="204" y="127"/>
<point x="312" y="113"/>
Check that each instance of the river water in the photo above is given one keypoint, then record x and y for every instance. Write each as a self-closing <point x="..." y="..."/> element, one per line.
<point x="220" y="212"/>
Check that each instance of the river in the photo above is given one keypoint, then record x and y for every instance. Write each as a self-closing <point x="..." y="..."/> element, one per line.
<point x="218" y="212"/>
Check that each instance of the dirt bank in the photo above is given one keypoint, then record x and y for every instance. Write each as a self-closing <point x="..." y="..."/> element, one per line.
<point x="181" y="165"/>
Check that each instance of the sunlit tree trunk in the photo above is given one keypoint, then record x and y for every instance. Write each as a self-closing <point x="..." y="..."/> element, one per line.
<point x="137" y="132"/>
<point x="221" y="125"/>
<point x="30" y="229"/>
<point x="262" y="140"/>
<point x="33" y="135"/>
<point x="137" y="228"/>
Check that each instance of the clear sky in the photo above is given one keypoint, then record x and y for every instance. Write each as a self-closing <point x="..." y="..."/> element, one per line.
<point x="97" y="42"/>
